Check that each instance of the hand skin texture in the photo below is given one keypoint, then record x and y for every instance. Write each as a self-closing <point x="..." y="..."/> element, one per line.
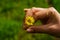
<point x="49" y="17"/>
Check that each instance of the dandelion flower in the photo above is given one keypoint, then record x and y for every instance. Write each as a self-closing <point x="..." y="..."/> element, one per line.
<point x="29" y="20"/>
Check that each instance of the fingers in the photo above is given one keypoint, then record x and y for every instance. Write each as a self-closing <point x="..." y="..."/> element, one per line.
<point x="34" y="9"/>
<point x="51" y="29"/>
<point x="38" y="9"/>
<point x="38" y="29"/>
<point x="26" y="9"/>
<point x="40" y="13"/>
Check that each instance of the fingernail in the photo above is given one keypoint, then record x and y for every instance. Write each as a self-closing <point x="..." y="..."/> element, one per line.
<point x="28" y="30"/>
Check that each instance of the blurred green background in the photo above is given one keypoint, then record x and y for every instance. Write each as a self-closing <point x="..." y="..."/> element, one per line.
<point x="11" y="19"/>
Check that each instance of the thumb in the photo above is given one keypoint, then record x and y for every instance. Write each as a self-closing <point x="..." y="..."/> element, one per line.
<point x="38" y="29"/>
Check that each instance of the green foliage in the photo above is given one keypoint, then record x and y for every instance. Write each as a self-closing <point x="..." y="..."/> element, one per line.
<point x="56" y="4"/>
<point x="11" y="19"/>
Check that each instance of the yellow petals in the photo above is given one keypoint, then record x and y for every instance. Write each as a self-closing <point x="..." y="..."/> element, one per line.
<point x="29" y="20"/>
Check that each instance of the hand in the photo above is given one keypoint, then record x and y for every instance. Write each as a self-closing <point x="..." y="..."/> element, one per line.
<point x="50" y="19"/>
<point x="36" y="13"/>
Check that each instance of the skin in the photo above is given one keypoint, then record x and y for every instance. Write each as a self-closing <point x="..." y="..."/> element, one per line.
<point x="49" y="17"/>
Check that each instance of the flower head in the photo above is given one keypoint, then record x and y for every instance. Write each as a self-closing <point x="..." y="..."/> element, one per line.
<point x="29" y="20"/>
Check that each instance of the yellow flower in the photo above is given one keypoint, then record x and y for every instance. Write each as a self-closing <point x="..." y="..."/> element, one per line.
<point x="29" y="20"/>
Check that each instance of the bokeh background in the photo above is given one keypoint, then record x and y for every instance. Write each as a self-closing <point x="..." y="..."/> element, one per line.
<point x="11" y="19"/>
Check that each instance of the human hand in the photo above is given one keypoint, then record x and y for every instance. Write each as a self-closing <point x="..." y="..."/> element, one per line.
<point x="35" y="13"/>
<point x="50" y="19"/>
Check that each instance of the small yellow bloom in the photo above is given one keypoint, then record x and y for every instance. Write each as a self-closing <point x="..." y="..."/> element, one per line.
<point x="29" y="20"/>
